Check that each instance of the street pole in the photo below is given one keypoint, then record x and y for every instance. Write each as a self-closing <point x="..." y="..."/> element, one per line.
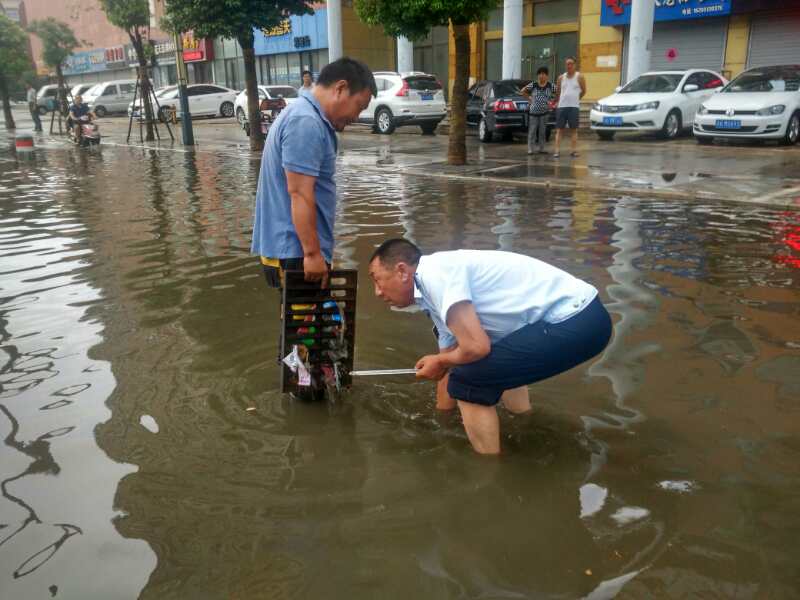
<point x="187" y="133"/>
<point x="641" y="38"/>
<point x="334" y="30"/>
<point x="512" y="39"/>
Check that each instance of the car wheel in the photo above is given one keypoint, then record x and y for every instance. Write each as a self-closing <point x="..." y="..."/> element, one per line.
<point x="606" y="136"/>
<point x="240" y="116"/>
<point x="429" y="128"/>
<point x="100" y="111"/>
<point x="704" y="141"/>
<point x="484" y="133"/>
<point x="384" y="121"/>
<point x="672" y="126"/>
<point x="792" y="130"/>
<point x="42" y="110"/>
<point x="227" y="110"/>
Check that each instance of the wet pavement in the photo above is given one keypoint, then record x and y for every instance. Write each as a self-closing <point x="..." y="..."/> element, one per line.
<point x="136" y="332"/>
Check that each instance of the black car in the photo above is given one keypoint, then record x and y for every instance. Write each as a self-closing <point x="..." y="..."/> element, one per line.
<point x="498" y="108"/>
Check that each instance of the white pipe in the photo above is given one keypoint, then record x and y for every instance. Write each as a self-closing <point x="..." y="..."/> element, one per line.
<point x="512" y="39"/>
<point x="405" y="55"/>
<point x="640" y="38"/>
<point x="334" y="30"/>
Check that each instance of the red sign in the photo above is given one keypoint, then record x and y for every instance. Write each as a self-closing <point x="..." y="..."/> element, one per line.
<point x="195" y="50"/>
<point x="671" y="54"/>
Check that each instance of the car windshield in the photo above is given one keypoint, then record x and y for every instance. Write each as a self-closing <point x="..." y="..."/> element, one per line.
<point x="286" y="92"/>
<point x="508" y="88"/>
<point x="653" y="84"/>
<point x="168" y="93"/>
<point x="422" y="83"/>
<point x="772" y="79"/>
<point x="94" y="90"/>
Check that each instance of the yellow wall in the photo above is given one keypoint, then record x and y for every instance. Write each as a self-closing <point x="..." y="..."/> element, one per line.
<point x="368" y="44"/>
<point x="737" y="46"/>
<point x="596" y="41"/>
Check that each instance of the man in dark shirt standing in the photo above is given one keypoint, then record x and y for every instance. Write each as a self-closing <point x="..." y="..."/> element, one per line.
<point x="541" y="92"/>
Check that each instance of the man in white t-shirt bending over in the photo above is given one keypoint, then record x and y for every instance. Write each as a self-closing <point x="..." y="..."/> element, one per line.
<point x="503" y="321"/>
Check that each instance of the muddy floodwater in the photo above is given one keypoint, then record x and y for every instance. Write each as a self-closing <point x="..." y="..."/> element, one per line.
<point x="136" y="332"/>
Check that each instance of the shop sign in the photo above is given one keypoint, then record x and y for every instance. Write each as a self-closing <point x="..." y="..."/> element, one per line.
<point x="196" y="50"/>
<point x="115" y="55"/>
<point x="89" y="61"/>
<point x="298" y="32"/>
<point x="618" y="12"/>
<point x="162" y="48"/>
<point x="281" y="28"/>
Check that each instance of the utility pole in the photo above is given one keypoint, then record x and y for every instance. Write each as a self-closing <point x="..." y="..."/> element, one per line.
<point x="641" y="38"/>
<point x="187" y="133"/>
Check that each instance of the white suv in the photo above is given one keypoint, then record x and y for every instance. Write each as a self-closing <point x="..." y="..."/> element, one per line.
<point x="405" y="99"/>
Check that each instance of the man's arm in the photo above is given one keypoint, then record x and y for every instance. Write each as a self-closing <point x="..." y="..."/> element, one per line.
<point x="304" y="217"/>
<point x="582" y="83"/>
<point x="473" y="343"/>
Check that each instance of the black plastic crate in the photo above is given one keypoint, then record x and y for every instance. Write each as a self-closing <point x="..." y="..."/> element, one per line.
<point x="312" y="319"/>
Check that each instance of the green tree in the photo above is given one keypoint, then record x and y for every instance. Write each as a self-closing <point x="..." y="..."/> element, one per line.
<point x="236" y="19"/>
<point x="58" y="43"/>
<point x="14" y="62"/>
<point x="133" y="17"/>
<point x="414" y="19"/>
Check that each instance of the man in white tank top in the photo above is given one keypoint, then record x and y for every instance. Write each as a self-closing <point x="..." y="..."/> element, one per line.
<point x="570" y="89"/>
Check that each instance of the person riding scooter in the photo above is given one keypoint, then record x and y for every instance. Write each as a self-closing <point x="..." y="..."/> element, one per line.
<point x="78" y="112"/>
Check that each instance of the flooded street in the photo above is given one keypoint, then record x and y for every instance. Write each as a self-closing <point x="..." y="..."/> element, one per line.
<point x="136" y="331"/>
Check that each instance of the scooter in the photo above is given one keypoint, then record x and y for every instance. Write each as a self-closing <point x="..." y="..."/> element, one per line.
<point x="90" y="132"/>
<point x="268" y="111"/>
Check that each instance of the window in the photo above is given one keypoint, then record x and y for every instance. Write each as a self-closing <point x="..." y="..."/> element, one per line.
<point x="422" y="83"/>
<point x="554" y="12"/>
<point x="126" y="88"/>
<point x="653" y="84"/>
<point x="494" y="21"/>
<point x="285" y="92"/>
<point x="767" y="79"/>
<point x="110" y="90"/>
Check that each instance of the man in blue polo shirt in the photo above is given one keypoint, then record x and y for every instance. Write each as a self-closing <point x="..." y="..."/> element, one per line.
<point x="296" y="197"/>
<point x="503" y="321"/>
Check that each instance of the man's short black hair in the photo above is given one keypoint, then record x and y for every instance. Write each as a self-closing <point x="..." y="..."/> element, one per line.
<point x="307" y="72"/>
<point x="354" y="72"/>
<point x="396" y="250"/>
<point x="544" y="70"/>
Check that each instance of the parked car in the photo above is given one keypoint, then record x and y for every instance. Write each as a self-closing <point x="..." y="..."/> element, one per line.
<point x="205" y="100"/>
<point x="270" y="92"/>
<point x="46" y="98"/>
<point x="405" y="99"/>
<point x="497" y="108"/>
<point x="662" y="102"/>
<point x="134" y="108"/>
<point x="761" y="103"/>
<point x="80" y="89"/>
<point x="110" y="96"/>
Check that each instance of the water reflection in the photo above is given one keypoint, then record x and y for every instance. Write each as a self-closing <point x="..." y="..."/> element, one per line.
<point x="137" y="333"/>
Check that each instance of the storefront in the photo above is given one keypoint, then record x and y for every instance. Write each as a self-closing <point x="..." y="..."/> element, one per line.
<point x="299" y="43"/>
<point x="774" y="38"/>
<point x="549" y="36"/>
<point x="94" y="66"/>
<point x="686" y="35"/>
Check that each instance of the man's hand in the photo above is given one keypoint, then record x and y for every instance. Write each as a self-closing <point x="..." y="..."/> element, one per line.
<point x="315" y="268"/>
<point x="430" y="367"/>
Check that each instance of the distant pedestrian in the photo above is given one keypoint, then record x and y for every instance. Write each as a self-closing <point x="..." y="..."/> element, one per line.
<point x="541" y="92"/>
<point x="569" y="91"/>
<point x="31" y="95"/>
<point x="308" y="80"/>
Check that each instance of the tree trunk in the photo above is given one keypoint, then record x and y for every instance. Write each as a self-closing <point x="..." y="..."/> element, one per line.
<point x="144" y="84"/>
<point x="63" y="107"/>
<point x="9" y="118"/>
<point x="246" y="41"/>
<point x="457" y="148"/>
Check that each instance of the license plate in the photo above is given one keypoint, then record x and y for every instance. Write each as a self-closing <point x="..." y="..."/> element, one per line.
<point x="613" y="121"/>
<point x="728" y="124"/>
<point x="426" y="96"/>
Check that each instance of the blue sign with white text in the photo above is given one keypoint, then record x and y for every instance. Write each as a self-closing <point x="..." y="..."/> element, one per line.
<point x="296" y="33"/>
<point x="89" y="61"/>
<point x="618" y="12"/>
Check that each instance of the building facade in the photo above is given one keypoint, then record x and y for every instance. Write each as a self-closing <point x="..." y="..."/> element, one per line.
<point x="724" y="35"/>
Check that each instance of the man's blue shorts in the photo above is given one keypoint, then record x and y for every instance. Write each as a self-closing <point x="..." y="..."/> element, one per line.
<point x="532" y="353"/>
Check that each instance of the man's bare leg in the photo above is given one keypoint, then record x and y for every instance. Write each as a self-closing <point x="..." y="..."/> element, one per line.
<point x="482" y="426"/>
<point x="443" y="399"/>
<point x="558" y="141"/>
<point x="517" y="400"/>
<point x="574" y="139"/>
